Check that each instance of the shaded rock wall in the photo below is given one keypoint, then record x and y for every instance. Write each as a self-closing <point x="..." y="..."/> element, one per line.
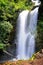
<point x="39" y="41"/>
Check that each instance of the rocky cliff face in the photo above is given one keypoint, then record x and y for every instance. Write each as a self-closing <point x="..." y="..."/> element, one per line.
<point x="39" y="42"/>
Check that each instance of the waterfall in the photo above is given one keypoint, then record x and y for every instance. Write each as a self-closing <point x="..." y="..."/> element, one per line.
<point x="27" y="25"/>
<point x="22" y="35"/>
<point x="37" y="2"/>
<point x="31" y="33"/>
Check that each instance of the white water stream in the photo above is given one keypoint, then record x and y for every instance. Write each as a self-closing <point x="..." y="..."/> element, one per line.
<point x="26" y="33"/>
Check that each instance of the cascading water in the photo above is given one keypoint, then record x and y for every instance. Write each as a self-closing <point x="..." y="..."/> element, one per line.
<point x="26" y="37"/>
<point x="22" y="35"/>
<point x="26" y="41"/>
<point x="37" y="2"/>
<point x="27" y="24"/>
<point x="31" y="32"/>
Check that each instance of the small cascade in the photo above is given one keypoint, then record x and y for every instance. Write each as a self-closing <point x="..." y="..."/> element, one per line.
<point x="37" y="2"/>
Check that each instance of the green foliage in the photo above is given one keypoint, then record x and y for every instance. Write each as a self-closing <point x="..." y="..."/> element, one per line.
<point x="23" y="4"/>
<point x="2" y="45"/>
<point x="5" y="29"/>
<point x="5" y="26"/>
<point x="9" y="10"/>
<point x="33" y="57"/>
